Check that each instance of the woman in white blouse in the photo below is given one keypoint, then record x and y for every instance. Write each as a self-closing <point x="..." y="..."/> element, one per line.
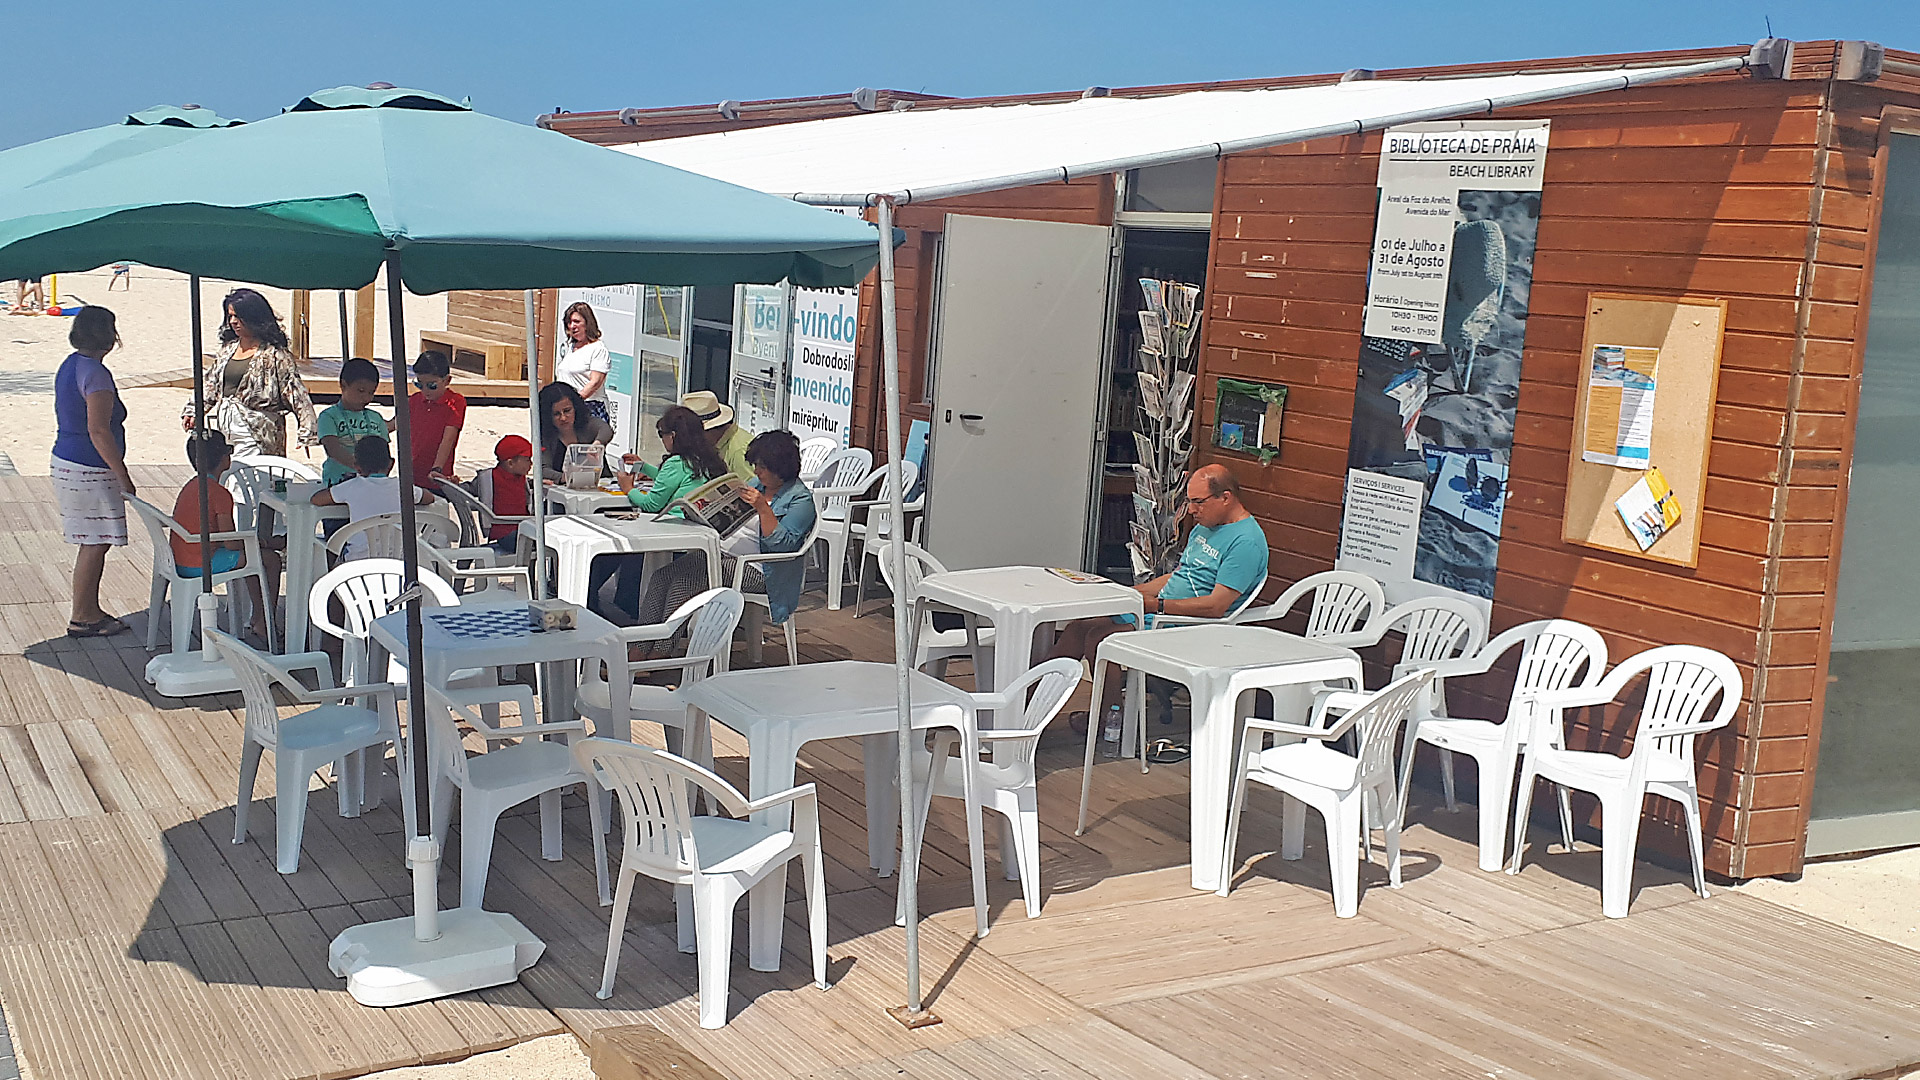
<point x="585" y="365"/>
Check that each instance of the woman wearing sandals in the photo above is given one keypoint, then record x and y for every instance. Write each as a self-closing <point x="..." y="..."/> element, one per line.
<point x="89" y="464"/>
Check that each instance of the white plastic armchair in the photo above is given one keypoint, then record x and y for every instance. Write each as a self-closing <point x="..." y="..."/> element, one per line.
<point x="814" y="453"/>
<point x="710" y="619"/>
<point x="1334" y="783"/>
<point x="1683" y="681"/>
<point x="1241" y="604"/>
<point x="384" y="538"/>
<point x="936" y="647"/>
<point x="185" y="588"/>
<point x="1555" y="654"/>
<point x="711" y="862"/>
<point x="473" y="569"/>
<point x="500" y="779"/>
<point x="365" y="589"/>
<point x="474" y="509"/>
<point x="332" y="731"/>
<point x="1343" y="602"/>
<point x="763" y="603"/>
<point x="875" y="530"/>
<point x="255" y="474"/>
<point x="1003" y="777"/>
<point x="837" y="498"/>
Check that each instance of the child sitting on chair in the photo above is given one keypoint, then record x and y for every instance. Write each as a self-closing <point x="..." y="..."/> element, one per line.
<point x="506" y="492"/>
<point x="370" y="492"/>
<point x="210" y="456"/>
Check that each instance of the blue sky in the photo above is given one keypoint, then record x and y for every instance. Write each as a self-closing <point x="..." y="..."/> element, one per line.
<point x="517" y="60"/>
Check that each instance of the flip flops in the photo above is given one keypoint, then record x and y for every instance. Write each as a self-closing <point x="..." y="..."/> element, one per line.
<point x="1168" y="752"/>
<point x="105" y="627"/>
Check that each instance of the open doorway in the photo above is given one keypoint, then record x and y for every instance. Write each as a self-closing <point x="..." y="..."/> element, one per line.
<point x="1167" y="254"/>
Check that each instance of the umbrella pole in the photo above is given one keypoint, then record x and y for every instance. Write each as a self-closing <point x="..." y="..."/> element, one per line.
<point x="914" y="1014"/>
<point x="345" y="349"/>
<point x="200" y="434"/>
<point x="423" y="851"/>
<point x="539" y="458"/>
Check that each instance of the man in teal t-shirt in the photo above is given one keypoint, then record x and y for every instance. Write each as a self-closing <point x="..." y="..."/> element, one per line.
<point x="1226" y="556"/>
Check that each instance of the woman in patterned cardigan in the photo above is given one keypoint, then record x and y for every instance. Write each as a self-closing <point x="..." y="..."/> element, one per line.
<point x="255" y="382"/>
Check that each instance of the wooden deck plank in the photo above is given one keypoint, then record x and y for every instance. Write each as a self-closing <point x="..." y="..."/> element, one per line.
<point x="29" y="779"/>
<point x="63" y="771"/>
<point x="148" y="855"/>
<point x="50" y="1033"/>
<point x="260" y="1020"/>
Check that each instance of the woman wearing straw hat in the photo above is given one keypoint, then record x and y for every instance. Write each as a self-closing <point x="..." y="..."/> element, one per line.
<point x="727" y="436"/>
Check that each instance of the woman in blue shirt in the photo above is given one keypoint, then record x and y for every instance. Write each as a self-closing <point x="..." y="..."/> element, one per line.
<point x="784" y="516"/>
<point x="89" y="464"/>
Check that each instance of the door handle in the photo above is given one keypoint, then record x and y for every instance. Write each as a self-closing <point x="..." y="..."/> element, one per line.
<point x="971" y="418"/>
<point x="973" y="423"/>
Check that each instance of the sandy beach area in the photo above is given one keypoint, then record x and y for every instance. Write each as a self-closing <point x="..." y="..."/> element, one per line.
<point x="155" y="340"/>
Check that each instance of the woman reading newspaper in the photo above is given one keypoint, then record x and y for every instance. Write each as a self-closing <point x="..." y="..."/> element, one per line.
<point x="782" y="520"/>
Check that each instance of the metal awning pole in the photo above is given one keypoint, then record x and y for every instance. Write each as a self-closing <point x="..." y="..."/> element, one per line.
<point x="199" y="439"/>
<point x="902" y="606"/>
<point x="539" y="458"/>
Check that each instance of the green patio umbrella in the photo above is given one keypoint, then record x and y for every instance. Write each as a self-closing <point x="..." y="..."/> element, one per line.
<point x="347" y="181"/>
<point x="51" y="160"/>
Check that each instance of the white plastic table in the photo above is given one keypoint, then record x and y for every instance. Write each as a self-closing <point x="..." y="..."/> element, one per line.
<point x="576" y="540"/>
<point x="781" y="709"/>
<point x="305" y="563"/>
<point x="575" y="501"/>
<point x="1018" y="600"/>
<point x="456" y="637"/>
<point x="1216" y="663"/>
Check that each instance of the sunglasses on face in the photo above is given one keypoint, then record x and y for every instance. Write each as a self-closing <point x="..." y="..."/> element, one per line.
<point x="429" y="385"/>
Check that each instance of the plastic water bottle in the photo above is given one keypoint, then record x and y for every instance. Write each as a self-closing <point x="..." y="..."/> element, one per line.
<point x="1110" y="731"/>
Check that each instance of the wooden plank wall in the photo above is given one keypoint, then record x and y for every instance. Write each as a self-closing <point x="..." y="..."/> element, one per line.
<point x="501" y="315"/>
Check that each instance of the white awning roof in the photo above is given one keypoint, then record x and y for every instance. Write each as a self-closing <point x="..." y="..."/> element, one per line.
<point x="933" y="153"/>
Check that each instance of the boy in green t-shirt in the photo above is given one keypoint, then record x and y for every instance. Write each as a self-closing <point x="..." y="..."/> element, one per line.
<point x="346" y="422"/>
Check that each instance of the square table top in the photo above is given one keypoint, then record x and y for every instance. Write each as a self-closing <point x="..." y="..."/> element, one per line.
<point x="497" y="627"/>
<point x="1221" y="646"/>
<point x="860" y="695"/>
<point x="1032" y="589"/>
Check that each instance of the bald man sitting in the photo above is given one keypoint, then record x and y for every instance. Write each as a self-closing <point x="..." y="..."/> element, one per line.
<point x="1226" y="555"/>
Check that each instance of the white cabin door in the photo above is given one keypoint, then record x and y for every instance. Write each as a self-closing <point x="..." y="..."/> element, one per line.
<point x="1019" y="337"/>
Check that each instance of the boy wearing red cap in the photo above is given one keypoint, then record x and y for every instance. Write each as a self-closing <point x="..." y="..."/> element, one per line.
<point x="505" y="490"/>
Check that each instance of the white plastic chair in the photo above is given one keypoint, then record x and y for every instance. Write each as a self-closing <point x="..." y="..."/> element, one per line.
<point x="500" y="779"/>
<point x="1343" y="601"/>
<point x="254" y="475"/>
<point x="366" y="589"/>
<point x="936" y="647"/>
<point x="847" y="475"/>
<point x="1682" y="681"/>
<point x="467" y="573"/>
<point x="1134" y="738"/>
<point x="1433" y="629"/>
<point x="814" y="453"/>
<point x="1336" y="784"/>
<point x="333" y="731"/>
<point x="710" y="861"/>
<point x="473" y="508"/>
<point x="1553" y="654"/>
<point x="1003" y="778"/>
<point x="876" y="528"/>
<point x="185" y="589"/>
<point x="710" y="618"/>
<point x="384" y="538"/>
<point x="763" y="606"/>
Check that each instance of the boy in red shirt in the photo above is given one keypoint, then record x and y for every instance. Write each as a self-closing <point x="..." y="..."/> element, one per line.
<point x="505" y="490"/>
<point x="211" y="456"/>
<point x="436" y="415"/>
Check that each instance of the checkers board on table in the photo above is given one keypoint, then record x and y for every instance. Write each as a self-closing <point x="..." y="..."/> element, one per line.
<point x="484" y="624"/>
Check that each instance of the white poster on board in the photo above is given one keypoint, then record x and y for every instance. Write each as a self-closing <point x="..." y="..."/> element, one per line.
<point x="1439" y="373"/>
<point x="613" y="308"/>
<point x="826" y="327"/>
<point x="759" y="355"/>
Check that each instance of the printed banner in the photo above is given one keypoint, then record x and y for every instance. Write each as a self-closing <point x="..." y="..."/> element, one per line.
<point x="826" y="326"/>
<point x="1445" y="323"/>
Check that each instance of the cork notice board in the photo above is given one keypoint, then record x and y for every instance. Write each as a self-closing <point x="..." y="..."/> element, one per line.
<point x="1687" y="334"/>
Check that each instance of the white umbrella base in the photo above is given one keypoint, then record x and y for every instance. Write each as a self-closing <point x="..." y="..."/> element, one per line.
<point x="385" y="966"/>
<point x="190" y="674"/>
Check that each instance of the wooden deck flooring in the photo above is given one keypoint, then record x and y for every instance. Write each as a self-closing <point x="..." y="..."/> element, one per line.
<point x="137" y="941"/>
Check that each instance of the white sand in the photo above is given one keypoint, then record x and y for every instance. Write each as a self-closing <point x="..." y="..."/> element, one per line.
<point x="154" y="332"/>
<point x="556" y="1057"/>
<point x="1874" y="894"/>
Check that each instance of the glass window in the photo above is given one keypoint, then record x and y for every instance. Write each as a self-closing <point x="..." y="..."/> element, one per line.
<point x="1184" y="188"/>
<point x="661" y="311"/>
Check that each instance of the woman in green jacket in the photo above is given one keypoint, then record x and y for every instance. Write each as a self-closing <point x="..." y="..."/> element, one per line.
<point x="691" y="462"/>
